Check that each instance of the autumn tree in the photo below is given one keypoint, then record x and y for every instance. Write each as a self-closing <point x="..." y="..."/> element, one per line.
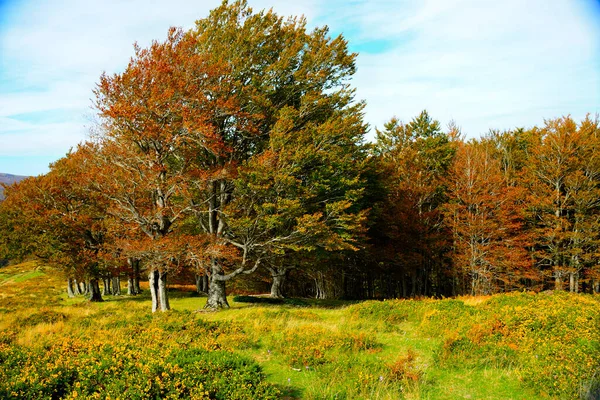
<point x="487" y="221"/>
<point x="564" y="171"/>
<point x="189" y="119"/>
<point x="413" y="159"/>
<point x="154" y="115"/>
<point x="59" y="222"/>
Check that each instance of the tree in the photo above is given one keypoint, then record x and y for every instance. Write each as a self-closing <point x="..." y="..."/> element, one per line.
<point x="488" y="227"/>
<point x="565" y="173"/>
<point x="60" y="222"/>
<point x="413" y="159"/>
<point x="188" y="120"/>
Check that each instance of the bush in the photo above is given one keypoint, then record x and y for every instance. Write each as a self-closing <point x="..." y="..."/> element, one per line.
<point x="74" y="368"/>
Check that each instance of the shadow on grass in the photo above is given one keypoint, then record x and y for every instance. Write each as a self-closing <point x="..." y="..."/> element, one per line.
<point x="298" y="302"/>
<point x="176" y="294"/>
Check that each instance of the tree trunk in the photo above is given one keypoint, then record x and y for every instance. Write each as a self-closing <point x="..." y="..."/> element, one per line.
<point x="205" y="283"/>
<point x="83" y="287"/>
<point x="136" y="277"/>
<point x="116" y="286"/>
<point x="319" y="286"/>
<point x="217" y="295"/>
<point x="202" y="284"/>
<point x="277" y="285"/>
<point x="70" y="285"/>
<point x="133" y="279"/>
<point x="130" y="286"/>
<point x="558" y="283"/>
<point x="596" y="286"/>
<point x="106" y="289"/>
<point x="75" y="286"/>
<point x="94" y="290"/>
<point x="158" y="290"/>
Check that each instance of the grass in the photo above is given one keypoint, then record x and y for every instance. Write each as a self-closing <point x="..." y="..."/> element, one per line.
<point x="518" y="346"/>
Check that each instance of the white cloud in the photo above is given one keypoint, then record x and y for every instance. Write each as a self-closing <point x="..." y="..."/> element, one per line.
<point x="53" y="52"/>
<point x="486" y="64"/>
<point x="36" y="140"/>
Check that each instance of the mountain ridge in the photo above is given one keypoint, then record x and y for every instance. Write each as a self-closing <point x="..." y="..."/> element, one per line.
<point x="9" y="179"/>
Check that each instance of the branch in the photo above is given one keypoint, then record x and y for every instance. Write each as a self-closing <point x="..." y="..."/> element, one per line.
<point x="237" y="272"/>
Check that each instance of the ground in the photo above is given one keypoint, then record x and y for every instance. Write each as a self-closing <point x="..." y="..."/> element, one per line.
<point x="516" y="346"/>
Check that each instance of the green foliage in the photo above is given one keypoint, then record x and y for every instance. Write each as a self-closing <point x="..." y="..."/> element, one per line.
<point x="74" y="368"/>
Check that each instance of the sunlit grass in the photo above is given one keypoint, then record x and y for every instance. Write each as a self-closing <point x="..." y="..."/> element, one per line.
<point x="495" y="347"/>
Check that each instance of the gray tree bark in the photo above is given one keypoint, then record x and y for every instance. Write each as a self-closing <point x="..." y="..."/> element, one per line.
<point x="558" y="282"/>
<point x="94" y="290"/>
<point x="130" y="286"/>
<point x="82" y="287"/>
<point x="278" y="274"/>
<point x="217" y="295"/>
<point x="76" y="288"/>
<point x="158" y="290"/>
<point x="136" y="277"/>
<point x="70" y="285"/>
<point x="277" y="287"/>
<point x="106" y="287"/>
<point x="116" y="286"/>
<point x="202" y="284"/>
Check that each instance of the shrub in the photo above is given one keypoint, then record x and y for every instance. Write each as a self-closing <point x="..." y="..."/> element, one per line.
<point x="74" y="368"/>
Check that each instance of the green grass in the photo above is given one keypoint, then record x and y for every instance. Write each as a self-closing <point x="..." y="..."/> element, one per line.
<point x="518" y="346"/>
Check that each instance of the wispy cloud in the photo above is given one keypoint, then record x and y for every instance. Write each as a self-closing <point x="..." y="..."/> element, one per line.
<point x="53" y="52"/>
<point x="486" y="64"/>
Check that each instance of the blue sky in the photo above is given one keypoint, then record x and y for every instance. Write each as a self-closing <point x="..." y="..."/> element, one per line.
<point x="482" y="63"/>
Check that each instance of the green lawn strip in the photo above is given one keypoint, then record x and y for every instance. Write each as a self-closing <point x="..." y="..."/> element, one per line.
<point x="462" y="383"/>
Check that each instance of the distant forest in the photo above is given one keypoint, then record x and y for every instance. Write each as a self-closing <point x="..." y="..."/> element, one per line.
<point x="235" y="153"/>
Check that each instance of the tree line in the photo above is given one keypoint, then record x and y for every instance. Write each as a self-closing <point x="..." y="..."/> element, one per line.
<point x="236" y="151"/>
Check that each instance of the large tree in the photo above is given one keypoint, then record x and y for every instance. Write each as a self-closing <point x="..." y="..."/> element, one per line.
<point x="413" y="159"/>
<point x="57" y="220"/>
<point x="564" y="184"/>
<point x="485" y="214"/>
<point x="190" y="119"/>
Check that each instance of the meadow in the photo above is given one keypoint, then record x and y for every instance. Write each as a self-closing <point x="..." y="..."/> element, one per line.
<point x="508" y="346"/>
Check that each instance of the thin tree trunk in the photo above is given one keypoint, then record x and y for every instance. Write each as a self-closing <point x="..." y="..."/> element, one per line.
<point x="133" y="280"/>
<point x="136" y="277"/>
<point x="596" y="286"/>
<point x="94" y="290"/>
<point x="70" y="285"/>
<point x="158" y="291"/>
<point x="116" y="286"/>
<point x="205" y="283"/>
<point x="278" y="282"/>
<point x="106" y="288"/>
<point x="76" y="289"/>
<point x="130" y="286"/>
<point x="217" y="295"/>
<point x="202" y="284"/>
<point x="558" y="283"/>
<point x="82" y="288"/>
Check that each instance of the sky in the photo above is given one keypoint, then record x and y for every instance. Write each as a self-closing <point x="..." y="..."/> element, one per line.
<point x="485" y="64"/>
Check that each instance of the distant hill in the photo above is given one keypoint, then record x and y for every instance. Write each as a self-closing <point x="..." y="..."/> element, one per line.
<point x="8" y="179"/>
